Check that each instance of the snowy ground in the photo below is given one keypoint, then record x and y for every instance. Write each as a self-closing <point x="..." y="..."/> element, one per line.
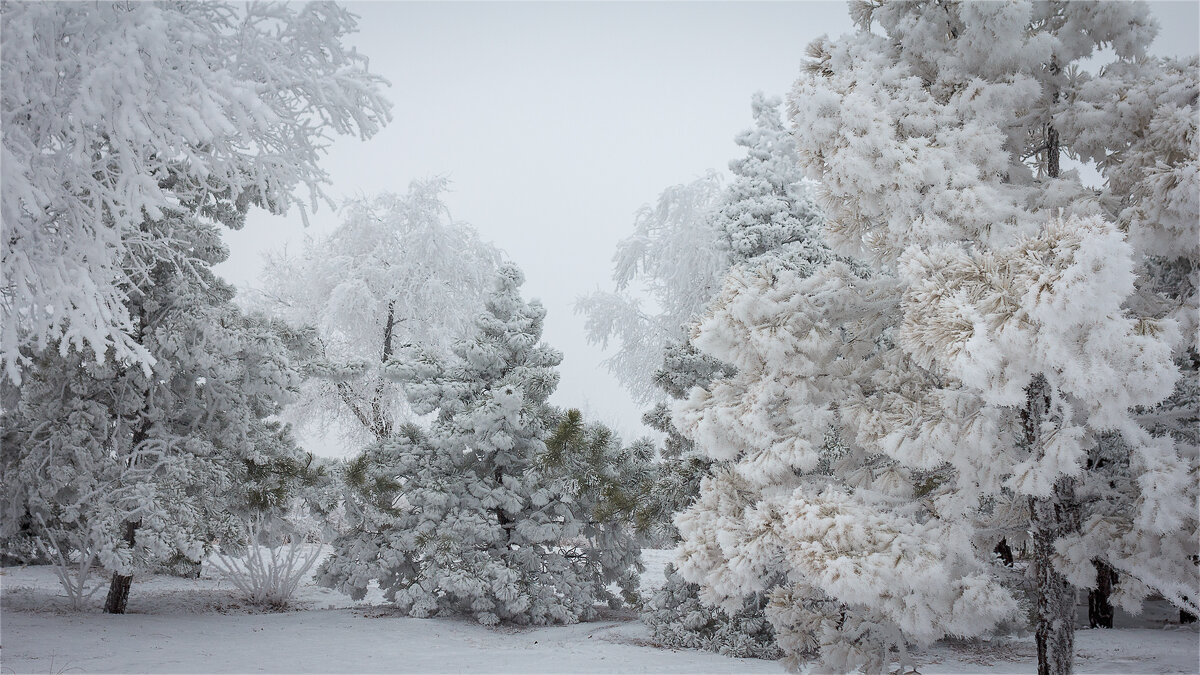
<point x="198" y="625"/>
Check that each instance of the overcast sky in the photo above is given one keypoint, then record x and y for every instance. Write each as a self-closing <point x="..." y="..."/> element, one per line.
<point x="557" y="121"/>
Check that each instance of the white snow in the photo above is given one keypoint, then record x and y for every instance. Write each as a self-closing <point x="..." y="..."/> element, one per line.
<point x="198" y="625"/>
<point x="179" y="625"/>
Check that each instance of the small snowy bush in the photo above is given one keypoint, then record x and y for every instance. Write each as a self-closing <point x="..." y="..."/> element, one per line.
<point x="74" y="566"/>
<point x="677" y="618"/>
<point x="274" y="563"/>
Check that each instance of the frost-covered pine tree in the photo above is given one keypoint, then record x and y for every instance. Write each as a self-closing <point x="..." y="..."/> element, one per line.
<point x="1015" y="290"/>
<point x="120" y="468"/>
<point x="1147" y="149"/>
<point x="766" y="219"/>
<point x="606" y="485"/>
<point x="842" y="581"/>
<point x="398" y="271"/>
<point x="767" y="206"/>
<point x="765" y="212"/>
<point x="965" y="379"/>
<point x="461" y="518"/>
<point x="679" y="252"/>
<point x="114" y="113"/>
<point x="680" y="467"/>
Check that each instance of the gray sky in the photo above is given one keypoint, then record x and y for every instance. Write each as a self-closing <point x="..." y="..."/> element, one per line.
<point x="557" y="121"/>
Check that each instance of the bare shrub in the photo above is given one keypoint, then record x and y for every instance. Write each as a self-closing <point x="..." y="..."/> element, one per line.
<point x="74" y="569"/>
<point x="275" y="561"/>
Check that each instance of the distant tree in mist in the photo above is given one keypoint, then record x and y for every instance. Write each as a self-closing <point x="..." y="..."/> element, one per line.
<point x="397" y="272"/>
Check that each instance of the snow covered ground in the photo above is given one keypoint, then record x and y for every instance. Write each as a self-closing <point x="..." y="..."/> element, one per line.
<point x="199" y="625"/>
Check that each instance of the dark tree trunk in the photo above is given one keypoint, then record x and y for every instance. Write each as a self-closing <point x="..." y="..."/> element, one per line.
<point x="1184" y="615"/>
<point x="1054" y="517"/>
<point x="118" y="588"/>
<point x="1100" y="610"/>
<point x="389" y="328"/>
<point x="1057" y="514"/>
<point x="501" y="516"/>
<point x="1004" y="552"/>
<point x="1051" y="518"/>
<point x="381" y="422"/>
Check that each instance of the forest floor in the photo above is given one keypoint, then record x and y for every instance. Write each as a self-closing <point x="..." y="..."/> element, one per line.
<point x="179" y="625"/>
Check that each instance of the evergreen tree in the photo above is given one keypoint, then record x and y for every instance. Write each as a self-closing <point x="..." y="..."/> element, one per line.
<point x="462" y="518"/>
<point x="767" y="206"/>
<point x="677" y="617"/>
<point x="680" y="467"/>
<point x="128" y="468"/>
<point x="1148" y="155"/>
<point x="685" y="243"/>
<point x="766" y="220"/>
<point x="606" y="485"/>
<point x="965" y="379"/>
<point x="803" y="340"/>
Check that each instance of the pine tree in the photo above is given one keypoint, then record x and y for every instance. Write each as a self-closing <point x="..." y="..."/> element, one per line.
<point x="767" y="206"/>
<point x="680" y="467"/>
<point x="766" y="220"/>
<point x="461" y="518"/>
<point x="128" y="468"/>
<point x="606" y="485"/>
<point x="967" y="376"/>
<point x="1148" y="155"/>
<point x="802" y="341"/>
<point x="677" y="617"/>
<point x="685" y="243"/>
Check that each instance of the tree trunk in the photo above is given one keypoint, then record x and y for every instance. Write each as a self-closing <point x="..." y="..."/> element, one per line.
<point x="1004" y="552"/>
<point x="381" y="422"/>
<point x="501" y="516"/>
<point x="1057" y="514"/>
<point x="118" y="588"/>
<point x="1100" y="610"/>
<point x="1184" y="615"/>
<point x="388" y="328"/>
<point x="1051" y="518"/>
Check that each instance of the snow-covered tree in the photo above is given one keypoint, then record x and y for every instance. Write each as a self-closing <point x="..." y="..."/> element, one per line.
<point x="398" y="271"/>
<point x="680" y="467"/>
<point x="461" y="518"/>
<point x="1147" y="150"/>
<point x="803" y="340"/>
<point x="767" y="206"/>
<point x="606" y="485"/>
<point x="123" y="469"/>
<point x="676" y="257"/>
<point x="766" y="220"/>
<point x="684" y="244"/>
<point x="952" y="395"/>
<point x="1145" y="147"/>
<point x="765" y="215"/>
<point x="113" y="113"/>
<point x="677" y="617"/>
